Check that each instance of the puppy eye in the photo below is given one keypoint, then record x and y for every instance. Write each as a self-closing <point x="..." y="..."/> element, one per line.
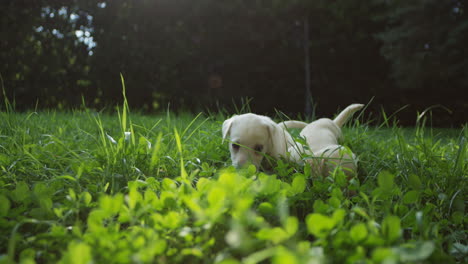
<point x="235" y="146"/>
<point x="258" y="148"/>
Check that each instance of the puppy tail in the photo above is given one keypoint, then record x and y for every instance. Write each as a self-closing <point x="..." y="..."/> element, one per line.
<point x="346" y="114"/>
<point x="292" y="124"/>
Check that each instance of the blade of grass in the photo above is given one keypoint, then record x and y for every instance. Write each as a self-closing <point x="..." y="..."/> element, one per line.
<point x="183" y="173"/>
<point x="154" y="154"/>
<point x="125" y="105"/>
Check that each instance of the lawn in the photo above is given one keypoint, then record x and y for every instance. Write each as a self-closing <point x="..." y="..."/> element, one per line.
<point x="90" y="187"/>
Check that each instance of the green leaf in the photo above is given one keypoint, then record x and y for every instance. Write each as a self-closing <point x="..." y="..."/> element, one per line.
<point x="291" y="225"/>
<point x="216" y="197"/>
<point x="414" y="181"/>
<point x="4" y="205"/>
<point x="457" y="218"/>
<point x="251" y="169"/>
<point x="319" y="225"/>
<point x="334" y="202"/>
<point x="285" y="256"/>
<point x="134" y="197"/>
<point x="358" y="232"/>
<point x="168" y="184"/>
<point x="385" y="180"/>
<point x="275" y="235"/>
<point x="95" y="221"/>
<point x="59" y="212"/>
<point x="266" y="208"/>
<point x="229" y="261"/>
<point x="160" y="246"/>
<point x="203" y="184"/>
<point x="391" y="228"/>
<point x="228" y="180"/>
<point x="338" y="216"/>
<point x="169" y="199"/>
<point x="86" y="198"/>
<point x="46" y="203"/>
<point x="111" y="204"/>
<point x="336" y="192"/>
<point x="71" y="194"/>
<point x="411" y="197"/>
<point x="21" y="192"/>
<point x="320" y="207"/>
<point x="401" y="209"/>
<point x="241" y="206"/>
<point x="361" y="211"/>
<point x="192" y="251"/>
<point x="4" y="159"/>
<point x="298" y="184"/>
<point x="153" y="183"/>
<point x="173" y="220"/>
<point x="340" y="178"/>
<point x="143" y="145"/>
<point x="26" y="256"/>
<point x="41" y="190"/>
<point x="269" y="184"/>
<point x="77" y="253"/>
<point x="380" y="255"/>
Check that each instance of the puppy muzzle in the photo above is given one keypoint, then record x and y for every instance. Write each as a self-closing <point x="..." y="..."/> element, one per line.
<point x="243" y="164"/>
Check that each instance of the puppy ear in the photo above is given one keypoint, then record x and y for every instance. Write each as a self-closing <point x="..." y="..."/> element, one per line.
<point x="272" y="134"/>
<point x="271" y="127"/>
<point x="277" y="141"/>
<point x="227" y="127"/>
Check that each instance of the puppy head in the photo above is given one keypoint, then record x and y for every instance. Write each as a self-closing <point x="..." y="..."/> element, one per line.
<point x="250" y="138"/>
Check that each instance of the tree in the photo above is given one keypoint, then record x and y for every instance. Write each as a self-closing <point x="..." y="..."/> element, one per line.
<point x="41" y="57"/>
<point x="425" y="42"/>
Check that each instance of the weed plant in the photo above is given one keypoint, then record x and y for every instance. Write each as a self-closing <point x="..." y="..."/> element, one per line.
<point x="89" y="187"/>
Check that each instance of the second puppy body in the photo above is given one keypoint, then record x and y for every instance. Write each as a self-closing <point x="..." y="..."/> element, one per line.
<point x="324" y="151"/>
<point x="252" y="136"/>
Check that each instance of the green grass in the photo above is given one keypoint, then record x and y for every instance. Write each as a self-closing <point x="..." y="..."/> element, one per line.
<point x="76" y="188"/>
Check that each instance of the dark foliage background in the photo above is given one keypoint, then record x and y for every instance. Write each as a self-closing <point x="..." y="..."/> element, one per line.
<point x="208" y="54"/>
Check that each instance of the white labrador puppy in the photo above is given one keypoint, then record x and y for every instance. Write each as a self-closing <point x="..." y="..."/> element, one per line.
<point x="254" y="136"/>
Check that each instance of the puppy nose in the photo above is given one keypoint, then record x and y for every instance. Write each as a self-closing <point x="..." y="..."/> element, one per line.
<point x="240" y="164"/>
<point x="245" y="164"/>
